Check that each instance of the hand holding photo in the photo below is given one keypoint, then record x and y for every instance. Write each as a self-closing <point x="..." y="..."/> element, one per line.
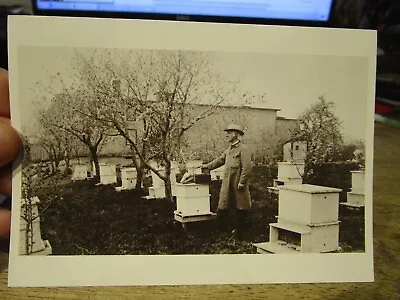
<point x="223" y="154"/>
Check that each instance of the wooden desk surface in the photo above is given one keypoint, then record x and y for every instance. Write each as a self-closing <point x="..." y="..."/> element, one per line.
<point x="386" y="251"/>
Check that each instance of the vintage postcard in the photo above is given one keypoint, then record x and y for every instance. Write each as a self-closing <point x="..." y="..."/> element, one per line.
<point x="177" y="153"/>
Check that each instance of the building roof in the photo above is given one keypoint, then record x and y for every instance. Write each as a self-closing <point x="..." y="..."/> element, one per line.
<point x="241" y="106"/>
<point x="286" y="119"/>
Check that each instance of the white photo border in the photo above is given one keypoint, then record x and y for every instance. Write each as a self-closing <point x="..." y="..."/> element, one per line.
<point x="53" y="271"/>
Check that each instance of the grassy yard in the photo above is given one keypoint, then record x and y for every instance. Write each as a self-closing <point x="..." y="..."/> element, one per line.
<point x="85" y="219"/>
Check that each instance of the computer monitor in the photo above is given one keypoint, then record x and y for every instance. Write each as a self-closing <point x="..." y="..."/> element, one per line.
<point x="284" y="12"/>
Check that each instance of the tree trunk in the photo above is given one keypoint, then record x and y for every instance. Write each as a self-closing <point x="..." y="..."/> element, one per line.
<point x="57" y="161"/>
<point x="140" y="175"/>
<point x="167" y="181"/>
<point x="168" y="189"/>
<point x="95" y="159"/>
<point x="67" y="162"/>
<point x="139" y="170"/>
<point x="52" y="165"/>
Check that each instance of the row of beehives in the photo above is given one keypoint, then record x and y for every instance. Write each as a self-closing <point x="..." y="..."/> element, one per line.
<point x="108" y="175"/>
<point x="291" y="173"/>
<point x="193" y="200"/>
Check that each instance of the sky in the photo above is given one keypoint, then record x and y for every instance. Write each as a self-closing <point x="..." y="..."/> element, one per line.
<point x="291" y="83"/>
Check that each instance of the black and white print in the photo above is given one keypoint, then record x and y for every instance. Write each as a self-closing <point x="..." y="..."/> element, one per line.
<point x="117" y="140"/>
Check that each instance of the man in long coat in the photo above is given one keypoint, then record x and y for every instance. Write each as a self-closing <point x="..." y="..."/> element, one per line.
<point x="234" y="194"/>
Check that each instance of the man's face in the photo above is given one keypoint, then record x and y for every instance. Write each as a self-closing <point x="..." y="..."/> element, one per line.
<point x="231" y="136"/>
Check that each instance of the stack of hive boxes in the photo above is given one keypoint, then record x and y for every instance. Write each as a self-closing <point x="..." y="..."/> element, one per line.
<point x="31" y="242"/>
<point x="81" y="172"/>
<point x="291" y="169"/>
<point x="307" y="221"/>
<point x="108" y="174"/>
<point x="356" y="197"/>
<point x="129" y="178"/>
<point x="192" y="199"/>
<point x="157" y="190"/>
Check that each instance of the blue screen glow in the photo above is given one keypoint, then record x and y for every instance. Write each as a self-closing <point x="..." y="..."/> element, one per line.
<point x="307" y="10"/>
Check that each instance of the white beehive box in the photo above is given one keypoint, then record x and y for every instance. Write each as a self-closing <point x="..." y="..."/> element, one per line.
<point x="355" y="199"/>
<point x="31" y="235"/>
<point x="80" y="172"/>
<point x="308" y="204"/>
<point x="158" y="182"/>
<point x="193" y="199"/>
<point x="295" y="151"/>
<point x="358" y="182"/>
<point x="285" y="181"/>
<point x="159" y="192"/>
<point x="218" y="173"/>
<point x="288" y="170"/>
<point x="108" y="174"/>
<point x="303" y="238"/>
<point x="128" y="177"/>
<point x="193" y="206"/>
<point x="156" y="193"/>
<point x="288" y="181"/>
<point x="192" y="190"/>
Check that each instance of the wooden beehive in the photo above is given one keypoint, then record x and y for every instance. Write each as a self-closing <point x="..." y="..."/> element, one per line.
<point x="129" y="177"/>
<point x="358" y="182"/>
<point x="289" y="170"/>
<point x="31" y="241"/>
<point x="192" y="190"/>
<point x="295" y="151"/>
<point x="292" y="238"/>
<point x="156" y="192"/>
<point x="80" y="172"/>
<point x="356" y="197"/>
<point x="158" y="182"/>
<point x="307" y="221"/>
<point x="288" y="181"/>
<point x="192" y="199"/>
<point x="108" y="174"/>
<point x="308" y="204"/>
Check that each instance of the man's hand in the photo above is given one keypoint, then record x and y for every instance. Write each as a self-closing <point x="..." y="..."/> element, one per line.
<point x="10" y="147"/>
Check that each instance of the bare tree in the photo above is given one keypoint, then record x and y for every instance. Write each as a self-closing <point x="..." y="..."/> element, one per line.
<point x="62" y="115"/>
<point x="52" y="141"/>
<point x="153" y="93"/>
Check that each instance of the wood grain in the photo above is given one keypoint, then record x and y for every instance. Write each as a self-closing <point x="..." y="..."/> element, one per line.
<point x="386" y="249"/>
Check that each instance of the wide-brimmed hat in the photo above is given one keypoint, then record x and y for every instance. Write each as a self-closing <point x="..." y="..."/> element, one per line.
<point x="235" y="127"/>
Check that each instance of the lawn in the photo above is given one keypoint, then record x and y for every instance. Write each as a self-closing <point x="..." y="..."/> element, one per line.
<point x="85" y="219"/>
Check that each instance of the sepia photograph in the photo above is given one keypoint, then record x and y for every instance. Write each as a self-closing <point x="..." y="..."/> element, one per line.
<point x="140" y="151"/>
<point x="124" y="149"/>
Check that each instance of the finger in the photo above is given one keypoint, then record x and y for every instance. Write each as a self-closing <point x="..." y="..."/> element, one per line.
<point x="5" y="180"/>
<point x="10" y="143"/>
<point x="5" y="223"/>
<point x="4" y="94"/>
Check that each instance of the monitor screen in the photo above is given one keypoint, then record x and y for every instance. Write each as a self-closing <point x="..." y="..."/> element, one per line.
<point x="297" y="10"/>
